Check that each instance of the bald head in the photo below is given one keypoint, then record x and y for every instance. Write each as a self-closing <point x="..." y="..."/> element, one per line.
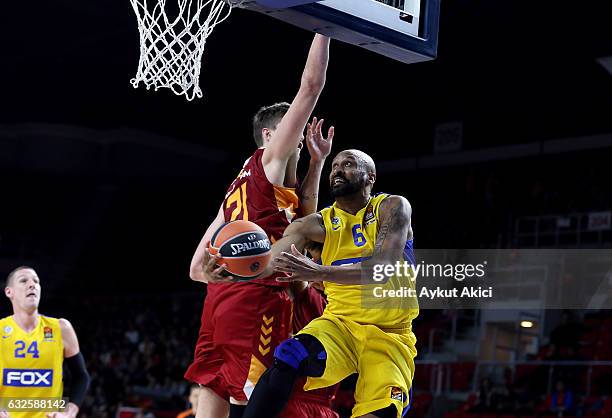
<point x="361" y="157"/>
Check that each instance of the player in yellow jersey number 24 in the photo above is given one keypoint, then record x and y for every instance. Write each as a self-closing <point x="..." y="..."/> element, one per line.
<point x="33" y="350"/>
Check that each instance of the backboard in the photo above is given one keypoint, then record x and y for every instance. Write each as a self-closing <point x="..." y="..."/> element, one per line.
<point x="405" y="30"/>
<point x="173" y="37"/>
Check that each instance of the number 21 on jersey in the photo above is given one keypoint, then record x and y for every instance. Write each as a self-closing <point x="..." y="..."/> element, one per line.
<point x="238" y="197"/>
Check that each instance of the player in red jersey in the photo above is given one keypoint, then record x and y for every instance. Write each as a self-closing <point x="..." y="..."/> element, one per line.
<point x="243" y="322"/>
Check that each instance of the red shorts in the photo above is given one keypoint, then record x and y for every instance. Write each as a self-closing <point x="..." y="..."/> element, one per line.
<point x="310" y="404"/>
<point x="304" y="408"/>
<point x="242" y="323"/>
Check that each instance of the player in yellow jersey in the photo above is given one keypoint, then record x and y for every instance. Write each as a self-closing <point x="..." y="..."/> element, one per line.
<point x="33" y="350"/>
<point x="361" y="330"/>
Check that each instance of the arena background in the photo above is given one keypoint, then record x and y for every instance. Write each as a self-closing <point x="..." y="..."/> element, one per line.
<point x="106" y="190"/>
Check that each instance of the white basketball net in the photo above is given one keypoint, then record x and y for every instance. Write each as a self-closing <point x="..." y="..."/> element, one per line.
<point x="172" y="41"/>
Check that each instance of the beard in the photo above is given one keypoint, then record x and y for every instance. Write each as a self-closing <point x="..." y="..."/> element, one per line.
<point x="348" y="188"/>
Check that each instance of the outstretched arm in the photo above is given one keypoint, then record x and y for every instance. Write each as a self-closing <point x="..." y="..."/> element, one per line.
<point x="395" y="229"/>
<point x="289" y="130"/>
<point x="319" y="148"/>
<point x="298" y="234"/>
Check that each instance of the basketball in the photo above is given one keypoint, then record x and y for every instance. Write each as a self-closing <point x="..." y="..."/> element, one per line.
<point x="244" y="247"/>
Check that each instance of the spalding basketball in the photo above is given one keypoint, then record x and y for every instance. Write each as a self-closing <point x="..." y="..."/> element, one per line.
<point x="244" y="247"/>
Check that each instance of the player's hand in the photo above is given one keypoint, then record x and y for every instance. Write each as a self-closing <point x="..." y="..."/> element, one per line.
<point x="59" y="415"/>
<point x="4" y="414"/>
<point x="71" y="411"/>
<point x="298" y="266"/>
<point x="319" y="147"/>
<point x="213" y="272"/>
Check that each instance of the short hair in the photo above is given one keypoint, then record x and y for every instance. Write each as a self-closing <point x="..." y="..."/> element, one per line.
<point x="12" y="274"/>
<point x="268" y="117"/>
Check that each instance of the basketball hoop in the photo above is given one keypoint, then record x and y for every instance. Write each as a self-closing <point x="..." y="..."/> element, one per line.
<point x="172" y="40"/>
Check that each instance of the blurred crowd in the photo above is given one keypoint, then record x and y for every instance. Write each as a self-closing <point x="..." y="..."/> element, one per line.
<point x="562" y="390"/>
<point x="137" y="349"/>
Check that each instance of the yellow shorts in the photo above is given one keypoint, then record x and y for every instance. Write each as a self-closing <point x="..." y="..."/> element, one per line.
<point x="384" y="360"/>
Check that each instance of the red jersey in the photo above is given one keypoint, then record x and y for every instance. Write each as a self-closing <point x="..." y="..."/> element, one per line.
<point x="242" y="323"/>
<point x="251" y="197"/>
<point x="308" y="305"/>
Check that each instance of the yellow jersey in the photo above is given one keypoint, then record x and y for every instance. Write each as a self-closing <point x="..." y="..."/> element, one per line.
<point x="351" y="239"/>
<point x="31" y="362"/>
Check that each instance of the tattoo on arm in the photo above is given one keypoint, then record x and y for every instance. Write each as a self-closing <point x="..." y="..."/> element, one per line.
<point x="384" y="230"/>
<point x="395" y="222"/>
<point x="309" y="197"/>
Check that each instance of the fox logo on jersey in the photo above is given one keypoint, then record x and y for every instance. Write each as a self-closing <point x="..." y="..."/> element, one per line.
<point x="28" y="377"/>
